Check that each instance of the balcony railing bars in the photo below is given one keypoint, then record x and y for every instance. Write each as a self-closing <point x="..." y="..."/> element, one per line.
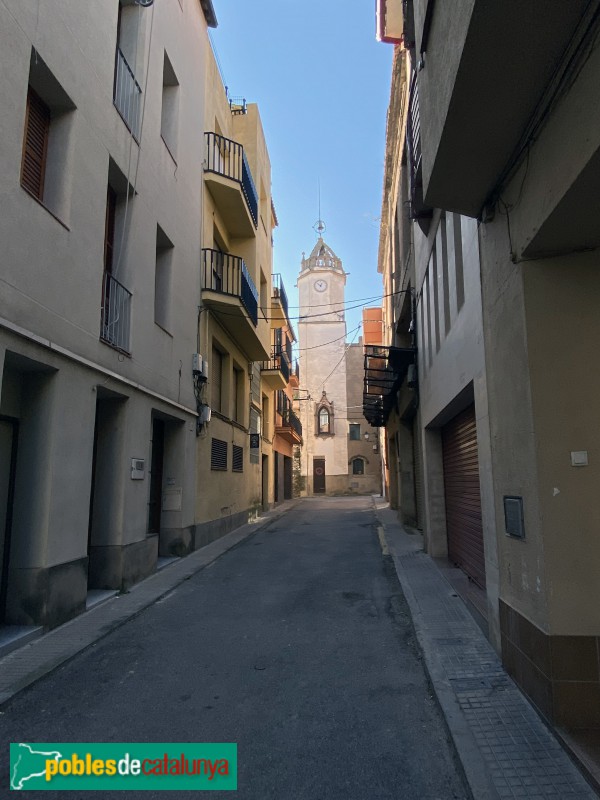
<point x="227" y="274"/>
<point x="279" y="291"/>
<point x="116" y="313"/>
<point x="277" y="361"/>
<point x="284" y="409"/>
<point x="227" y="158"/>
<point x="127" y="95"/>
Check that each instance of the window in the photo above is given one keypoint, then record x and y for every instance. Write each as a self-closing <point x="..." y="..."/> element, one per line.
<point x="218" y="455"/>
<point x="116" y="299"/>
<point x="358" y="466"/>
<point x="163" y="279"/>
<point x="237" y="459"/>
<point x="324" y="422"/>
<point x="169" y="115"/>
<point x="354" y="432"/>
<point x="47" y="136"/>
<point x="265" y="417"/>
<point x="35" y="145"/>
<point x="238" y="395"/>
<point x="127" y="91"/>
<point x="216" y="380"/>
<point x="109" y="229"/>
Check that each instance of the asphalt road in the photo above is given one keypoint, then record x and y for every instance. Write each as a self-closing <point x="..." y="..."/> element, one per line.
<point x="296" y="644"/>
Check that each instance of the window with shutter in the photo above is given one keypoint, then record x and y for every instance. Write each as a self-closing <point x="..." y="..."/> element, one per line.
<point x="216" y="379"/>
<point x="218" y="455"/>
<point x="237" y="464"/>
<point x="109" y="229"/>
<point x="35" y="145"/>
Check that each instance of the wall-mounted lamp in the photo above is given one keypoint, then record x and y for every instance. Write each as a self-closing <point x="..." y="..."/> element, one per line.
<point x="367" y="436"/>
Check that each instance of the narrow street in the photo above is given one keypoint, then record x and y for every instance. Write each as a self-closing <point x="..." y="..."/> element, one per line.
<point x="296" y="644"/>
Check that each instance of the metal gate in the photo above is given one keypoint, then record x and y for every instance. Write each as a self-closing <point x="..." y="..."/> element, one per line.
<point x="463" y="499"/>
<point x="319" y="476"/>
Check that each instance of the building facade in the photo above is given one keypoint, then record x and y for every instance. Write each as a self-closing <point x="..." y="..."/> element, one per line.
<point x="502" y="213"/>
<point x="98" y="308"/>
<point x="337" y="457"/>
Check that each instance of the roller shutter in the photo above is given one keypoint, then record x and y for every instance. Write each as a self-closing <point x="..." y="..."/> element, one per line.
<point x="463" y="499"/>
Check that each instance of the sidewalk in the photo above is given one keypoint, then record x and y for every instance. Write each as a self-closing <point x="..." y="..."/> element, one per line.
<point x="33" y="661"/>
<point x="505" y="748"/>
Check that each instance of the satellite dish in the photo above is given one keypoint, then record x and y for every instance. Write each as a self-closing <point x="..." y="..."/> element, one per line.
<point x="144" y="3"/>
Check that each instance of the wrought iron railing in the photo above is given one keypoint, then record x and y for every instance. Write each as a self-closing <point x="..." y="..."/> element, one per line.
<point x="279" y="291"/>
<point x="292" y="421"/>
<point x="414" y="131"/>
<point x="127" y="94"/>
<point x="227" y="274"/>
<point x="277" y="361"/>
<point x="288" y="417"/>
<point x="226" y="157"/>
<point x="116" y="313"/>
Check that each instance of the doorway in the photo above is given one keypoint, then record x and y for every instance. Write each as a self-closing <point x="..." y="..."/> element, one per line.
<point x="156" y="475"/>
<point x="319" y="476"/>
<point x="8" y="463"/>
<point x="265" y="483"/>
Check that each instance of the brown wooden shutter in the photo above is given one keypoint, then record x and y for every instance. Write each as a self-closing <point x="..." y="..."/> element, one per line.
<point x="35" y="145"/>
<point x="109" y="229"/>
<point x="463" y="501"/>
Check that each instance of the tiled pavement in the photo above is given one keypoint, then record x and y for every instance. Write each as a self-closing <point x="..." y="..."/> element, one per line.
<point x="506" y="750"/>
<point x="33" y="661"/>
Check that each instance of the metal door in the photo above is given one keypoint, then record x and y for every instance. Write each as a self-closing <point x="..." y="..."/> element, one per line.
<point x="8" y="466"/>
<point x="463" y="500"/>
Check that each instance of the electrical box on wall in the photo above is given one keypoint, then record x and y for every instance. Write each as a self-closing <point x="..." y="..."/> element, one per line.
<point x="200" y="366"/>
<point x="138" y="469"/>
<point x="513" y="516"/>
<point x="204" y="414"/>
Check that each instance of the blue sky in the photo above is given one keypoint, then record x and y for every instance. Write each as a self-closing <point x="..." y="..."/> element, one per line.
<point x="321" y="81"/>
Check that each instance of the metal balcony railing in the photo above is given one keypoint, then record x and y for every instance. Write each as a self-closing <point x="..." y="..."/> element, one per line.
<point x="116" y="313"/>
<point x="292" y="421"/>
<point x="277" y="361"/>
<point x="279" y="291"/>
<point x="127" y="94"/>
<point x="227" y="274"/>
<point x="226" y="157"/>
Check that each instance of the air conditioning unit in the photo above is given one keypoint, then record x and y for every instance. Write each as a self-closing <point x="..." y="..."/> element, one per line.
<point x="204" y="414"/>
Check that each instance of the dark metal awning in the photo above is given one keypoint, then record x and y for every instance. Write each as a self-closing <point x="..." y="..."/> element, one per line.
<point x="385" y="371"/>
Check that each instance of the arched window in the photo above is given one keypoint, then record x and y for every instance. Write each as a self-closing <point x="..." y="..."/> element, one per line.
<point x="324" y="421"/>
<point x="358" y="466"/>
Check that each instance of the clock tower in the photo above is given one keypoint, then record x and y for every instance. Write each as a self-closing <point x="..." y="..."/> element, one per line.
<point x="322" y="361"/>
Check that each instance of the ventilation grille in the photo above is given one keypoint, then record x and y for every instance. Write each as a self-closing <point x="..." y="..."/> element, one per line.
<point x="238" y="459"/>
<point x="218" y="454"/>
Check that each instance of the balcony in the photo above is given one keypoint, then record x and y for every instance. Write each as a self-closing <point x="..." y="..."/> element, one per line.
<point x="486" y="67"/>
<point x="127" y="95"/>
<point x="230" y="183"/>
<point x="278" y="294"/>
<point x="229" y="291"/>
<point x="385" y="371"/>
<point x="290" y="428"/>
<point x="116" y="314"/>
<point x="275" y="373"/>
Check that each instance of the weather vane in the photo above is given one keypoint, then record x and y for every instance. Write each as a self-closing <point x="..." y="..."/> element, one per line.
<point x="319" y="227"/>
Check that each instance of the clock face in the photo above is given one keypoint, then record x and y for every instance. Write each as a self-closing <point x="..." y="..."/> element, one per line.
<point x="320" y="285"/>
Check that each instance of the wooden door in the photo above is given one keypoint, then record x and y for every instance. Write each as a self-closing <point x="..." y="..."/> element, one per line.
<point x="319" y="476"/>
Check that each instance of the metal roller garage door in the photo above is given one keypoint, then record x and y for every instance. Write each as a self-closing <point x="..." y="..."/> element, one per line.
<point x="463" y="499"/>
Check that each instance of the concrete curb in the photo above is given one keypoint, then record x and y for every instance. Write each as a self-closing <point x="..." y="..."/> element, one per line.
<point x="25" y="666"/>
